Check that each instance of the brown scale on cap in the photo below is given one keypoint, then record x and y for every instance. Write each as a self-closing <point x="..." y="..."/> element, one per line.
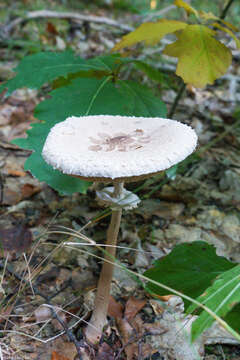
<point x="119" y="141"/>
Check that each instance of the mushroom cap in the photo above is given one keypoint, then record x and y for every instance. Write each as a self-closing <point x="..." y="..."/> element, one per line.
<point x="121" y="148"/>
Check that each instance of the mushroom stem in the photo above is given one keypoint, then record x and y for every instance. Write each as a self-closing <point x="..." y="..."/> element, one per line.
<point x="99" y="316"/>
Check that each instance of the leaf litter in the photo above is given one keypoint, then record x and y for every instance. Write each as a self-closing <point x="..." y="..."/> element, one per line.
<point x="202" y="204"/>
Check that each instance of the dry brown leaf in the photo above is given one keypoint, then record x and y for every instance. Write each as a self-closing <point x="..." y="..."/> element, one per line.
<point x="11" y="196"/>
<point x="5" y="313"/>
<point x="133" y="306"/>
<point x="16" y="238"/>
<point x="17" y="173"/>
<point x="51" y="28"/>
<point x="157" y="307"/>
<point x="115" y="309"/>
<point x="125" y="329"/>
<point x="105" y="352"/>
<point x="57" y="356"/>
<point x="27" y="190"/>
<point x="65" y="349"/>
<point x="127" y="333"/>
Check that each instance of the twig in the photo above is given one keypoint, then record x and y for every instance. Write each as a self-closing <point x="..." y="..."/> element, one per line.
<point x="29" y="273"/>
<point x="160" y="12"/>
<point x="177" y="99"/>
<point x="65" y="15"/>
<point x="225" y="10"/>
<point x="48" y="299"/>
<point x="4" y="270"/>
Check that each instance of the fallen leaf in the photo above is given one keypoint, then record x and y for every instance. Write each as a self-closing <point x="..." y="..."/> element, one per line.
<point x="127" y="335"/>
<point x="10" y="196"/>
<point x="157" y="307"/>
<point x="27" y="190"/>
<point x="5" y="312"/>
<point x="57" y="356"/>
<point x="65" y="349"/>
<point x="17" y="173"/>
<point x="105" y="352"/>
<point x="51" y="28"/>
<point x="133" y="306"/>
<point x="16" y="239"/>
<point x="42" y="313"/>
<point x="115" y="309"/>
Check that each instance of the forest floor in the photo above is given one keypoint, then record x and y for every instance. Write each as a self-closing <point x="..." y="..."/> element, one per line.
<point x="39" y="273"/>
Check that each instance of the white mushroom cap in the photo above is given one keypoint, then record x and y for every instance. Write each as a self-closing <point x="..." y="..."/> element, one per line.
<point x="105" y="147"/>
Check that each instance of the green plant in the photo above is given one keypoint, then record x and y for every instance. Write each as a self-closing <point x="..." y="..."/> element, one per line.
<point x="80" y="87"/>
<point x="201" y="57"/>
<point x="210" y="279"/>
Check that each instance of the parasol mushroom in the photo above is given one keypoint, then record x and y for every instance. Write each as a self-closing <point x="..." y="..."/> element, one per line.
<point x="119" y="149"/>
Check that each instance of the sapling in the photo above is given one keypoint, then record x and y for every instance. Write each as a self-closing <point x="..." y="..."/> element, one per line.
<point x="119" y="149"/>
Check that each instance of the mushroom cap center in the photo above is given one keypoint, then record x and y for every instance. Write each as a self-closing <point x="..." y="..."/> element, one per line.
<point x="117" y="147"/>
<point x="121" y="139"/>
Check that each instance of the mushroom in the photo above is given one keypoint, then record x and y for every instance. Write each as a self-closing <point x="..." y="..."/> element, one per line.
<point x="119" y="149"/>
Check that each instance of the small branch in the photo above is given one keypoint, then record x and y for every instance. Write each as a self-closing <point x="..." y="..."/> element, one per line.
<point x="47" y="299"/>
<point x="177" y="99"/>
<point x="65" y="15"/>
<point x="225" y="10"/>
<point x="160" y="12"/>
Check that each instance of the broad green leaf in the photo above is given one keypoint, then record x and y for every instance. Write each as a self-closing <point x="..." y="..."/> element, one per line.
<point x="150" y="32"/>
<point x="150" y="71"/>
<point x="141" y="101"/>
<point x="201" y="58"/>
<point x="189" y="268"/>
<point x="221" y="297"/>
<point x="188" y="8"/>
<point x="38" y="69"/>
<point x="232" y="318"/>
<point x="229" y="32"/>
<point x="87" y="96"/>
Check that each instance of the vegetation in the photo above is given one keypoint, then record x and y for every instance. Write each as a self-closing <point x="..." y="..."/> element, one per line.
<point x="120" y="83"/>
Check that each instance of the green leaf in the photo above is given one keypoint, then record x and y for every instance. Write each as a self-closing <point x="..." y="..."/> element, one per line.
<point x="35" y="70"/>
<point x="87" y="96"/>
<point x="221" y="297"/>
<point x="171" y="173"/>
<point x="201" y="58"/>
<point x="189" y="268"/>
<point x="188" y="8"/>
<point x="229" y="32"/>
<point x="141" y="101"/>
<point x="150" y="32"/>
<point x="38" y="69"/>
<point x="232" y="318"/>
<point x="150" y="71"/>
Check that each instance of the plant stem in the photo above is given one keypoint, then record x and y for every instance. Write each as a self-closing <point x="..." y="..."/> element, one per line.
<point x="99" y="316"/>
<point x="225" y="10"/>
<point x="176" y="101"/>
